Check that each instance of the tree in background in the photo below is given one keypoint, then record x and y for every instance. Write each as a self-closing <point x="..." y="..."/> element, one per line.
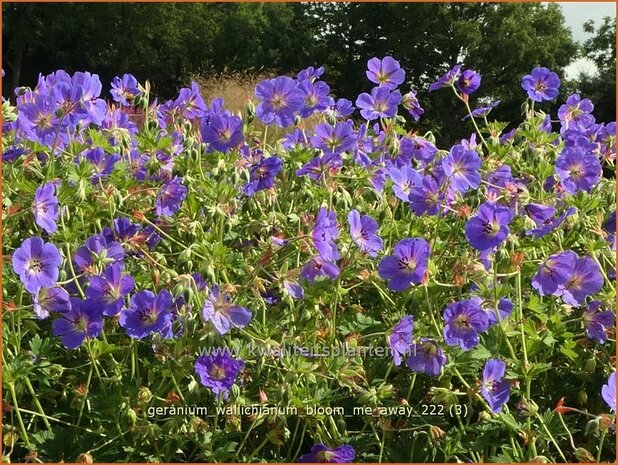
<point x="168" y="43"/>
<point x="502" y="41"/>
<point x="164" y="42"/>
<point x="601" y="49"/>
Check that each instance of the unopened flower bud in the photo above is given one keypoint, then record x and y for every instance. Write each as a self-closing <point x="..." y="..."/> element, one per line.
<point x="539" y="459"/>
<point x="517" y="259"/>
<point x="436" y="433"/>
<point x="394" y="145"/>
<point x="400" y="119"/>
<point x="84" y="458"/>
<point x="250" y="110"/>
<point x="584" y="456"/>
<point x="385" y="391"/>
<point x="527" y="408"/>
<point x="590" y="366"/>
<point x="605" y="422"/>
<point x="144" y="396"/>
<point x="185" y="255"/>
<point x="330" y="118"/>
<point x="130" y="415"/>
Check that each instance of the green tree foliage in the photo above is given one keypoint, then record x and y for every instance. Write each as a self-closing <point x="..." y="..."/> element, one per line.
<point x="170" y="42"/>
<point x="163" y="42"/>
<point x="601" y="87"/>
<point x="502" y="41"/>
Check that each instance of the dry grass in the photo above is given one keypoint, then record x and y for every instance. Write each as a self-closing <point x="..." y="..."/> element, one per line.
<point x="234" y="88"/>
<point x="238" y="88"/>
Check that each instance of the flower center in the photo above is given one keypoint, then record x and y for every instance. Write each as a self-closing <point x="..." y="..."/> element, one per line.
<point x="221" y="306"/>
<point x="383" y="77"/>
<point x="148" y="316"/>
<point x="491" y="385"/>
<point x="35" y="265"/>
<point x="225" y="135"/>
<point x="311" y="101"/>
<point x="112" y="293"/>
<point x="44" y="121"/>
<point x="217" y="372"/>
<point x="381" y="107"/>
<point x="406" y="265"/>
<point x="575" y="171"/>
<point x="491" y="227"/>
<point x="462" y="322"/>
<point x="324" y="456"/>
<point x="81" y="323"/>
<point x="430" y="350"/>
<point x="332" y="143"/>
<point x="575" y="282"/>
<point x="278" y="102"/>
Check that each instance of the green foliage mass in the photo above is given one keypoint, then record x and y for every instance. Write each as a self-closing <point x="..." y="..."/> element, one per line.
<point x="169" y="43"/>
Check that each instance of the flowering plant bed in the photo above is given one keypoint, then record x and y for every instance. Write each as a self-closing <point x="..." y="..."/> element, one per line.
<point x="180" y="285"/>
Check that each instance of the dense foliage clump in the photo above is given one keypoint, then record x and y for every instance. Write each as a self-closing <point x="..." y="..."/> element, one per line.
<point x="307" y="280"/>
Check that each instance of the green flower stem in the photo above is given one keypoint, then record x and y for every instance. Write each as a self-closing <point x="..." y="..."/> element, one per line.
<point x="244" y="440"/>
<point x="551" y="437"/>
<point x="182" y="397"/>
<point x="388" y="372"/>
<point x="302" y="438"/>
<point x="478" y="131"/>
<point x="430" y="309"/>
<point x="382" y="441"/>
<point x="384" y="294"/>
<point x="601" y="446"/>
<point x="37" y="404"/>
<point x="333" y="309"/>
<point x="381" y="333"/>
<point x="412" y="383"/>
<point x="520" y="307"/>
<point x="110" y="203"/>
<point x="62" y="283"/>
<point x="167" y="236"/>
<point x="95" y="363"/>
<point x="508" y="342"/>
<point x="81" y="409"/>
<point x="264" y="139"/>
<point x="70" y="262"/>
<point x="287" y="457"/>
<point x="199" y="162"/>
<point x="216" y="420"/>
<point x="259" y="448"/>
<point x="20" y="420"/>
<point x="476" y="394"/>
<point x="61" y="422"/>
<point x="566" y="428"/>
<point x="134" y="366"/>
<point x="607" y="280"/>
<point x="465" y="101"/>
<point x="105" y="443"/>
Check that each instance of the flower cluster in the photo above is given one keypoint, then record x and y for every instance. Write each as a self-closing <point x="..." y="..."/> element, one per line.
<point x="568" y="276"/>
<point x="176" y="228"/>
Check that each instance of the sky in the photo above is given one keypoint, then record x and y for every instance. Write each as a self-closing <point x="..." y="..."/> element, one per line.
<point x="576" y="14"/>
